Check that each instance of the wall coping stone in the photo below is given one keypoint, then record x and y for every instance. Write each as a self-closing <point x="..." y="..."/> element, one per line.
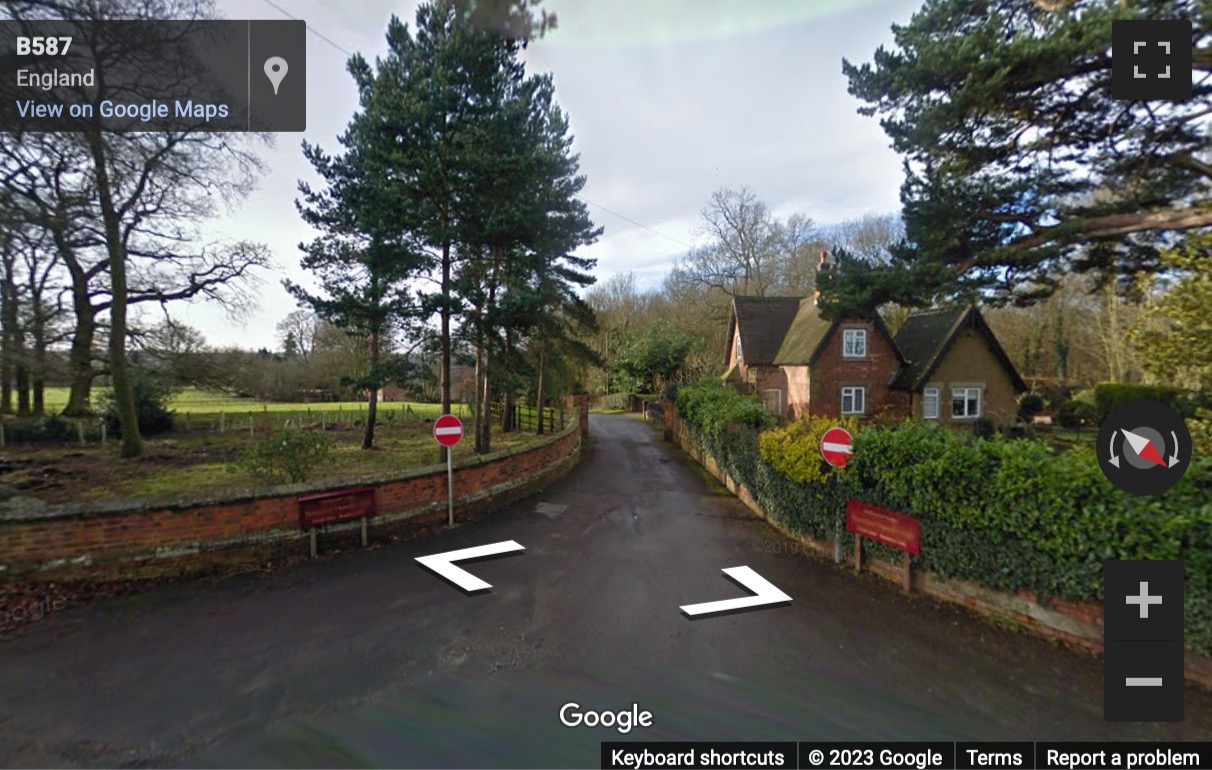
<point x="27" y="509"/>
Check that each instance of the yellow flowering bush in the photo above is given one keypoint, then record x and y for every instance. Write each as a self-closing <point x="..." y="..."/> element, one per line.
<point x="794" y="450"/>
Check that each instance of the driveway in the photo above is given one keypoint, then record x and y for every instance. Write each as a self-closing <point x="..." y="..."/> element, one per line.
<point x="363" y="658"/>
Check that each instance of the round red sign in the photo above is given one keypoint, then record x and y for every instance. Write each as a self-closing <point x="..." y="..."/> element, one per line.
<point x="837" y="445"/>
<point x="448" y="430"/>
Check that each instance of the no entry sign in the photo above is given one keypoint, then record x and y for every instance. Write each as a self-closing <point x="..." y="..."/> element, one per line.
<point x="837" y="445"/>
<point x="448" y="430"/>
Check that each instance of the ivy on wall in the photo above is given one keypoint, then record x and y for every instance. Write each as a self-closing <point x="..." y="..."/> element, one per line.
<point x="1009" y="514"/>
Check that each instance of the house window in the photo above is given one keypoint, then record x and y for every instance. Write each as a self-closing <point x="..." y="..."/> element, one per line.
<point x="854" y="343"/>
<point x="930" y="404"/>
<point x="965" y="403"/>
<point x="738" y="347"/>
<point x="772" y="400"/>
<point x="854" y="400"/>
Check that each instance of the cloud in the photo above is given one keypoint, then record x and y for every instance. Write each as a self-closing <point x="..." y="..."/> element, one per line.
<point x="667" y="101"/>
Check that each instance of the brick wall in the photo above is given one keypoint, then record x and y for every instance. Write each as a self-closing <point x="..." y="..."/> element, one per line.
<point x="1079" y="623"/>
<point x="131" y="537"/>
<point x="830" y="372"/>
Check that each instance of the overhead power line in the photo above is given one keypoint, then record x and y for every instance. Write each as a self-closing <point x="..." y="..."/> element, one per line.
<point x="347" y="52"/>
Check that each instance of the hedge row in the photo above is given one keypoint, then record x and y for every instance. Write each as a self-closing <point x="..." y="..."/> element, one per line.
<point x="1009" y="514"/>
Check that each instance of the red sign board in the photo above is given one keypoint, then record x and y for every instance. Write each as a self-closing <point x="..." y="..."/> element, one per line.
<point x="448" y="430"/>
<point x="331" y="507"/>
<point x="898" y="530"/>
<point x="837" y="445"/>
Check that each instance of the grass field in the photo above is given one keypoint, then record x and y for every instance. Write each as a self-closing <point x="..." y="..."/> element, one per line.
<point x="212" y="429"/>
<point x="202" y="462"/>
<point x="195" y="401"/>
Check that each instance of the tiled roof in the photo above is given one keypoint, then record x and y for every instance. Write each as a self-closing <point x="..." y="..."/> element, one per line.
<point x="922" y="339"/>
<point x="808" y="330"/>
<point x="764" y="323"/>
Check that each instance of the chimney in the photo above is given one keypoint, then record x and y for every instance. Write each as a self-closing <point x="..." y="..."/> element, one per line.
<point x="823" y="267"/>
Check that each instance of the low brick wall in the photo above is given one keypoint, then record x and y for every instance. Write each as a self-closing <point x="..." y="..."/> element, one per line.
<point x="140" y="538"/>
<point x="1079" y="623"/>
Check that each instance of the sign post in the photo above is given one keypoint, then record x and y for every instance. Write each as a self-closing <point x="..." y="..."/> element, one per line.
<point x="899" y="530"/>
<point x="448" y="431"/>
<point x="837" y="447"/>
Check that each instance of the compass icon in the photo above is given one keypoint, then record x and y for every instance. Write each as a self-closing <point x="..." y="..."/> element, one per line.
<point x="1144" y="447"/>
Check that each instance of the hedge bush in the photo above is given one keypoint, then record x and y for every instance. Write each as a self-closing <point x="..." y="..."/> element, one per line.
<point x="1008" y="514"/>
<point x="1075" y="413"/>
<point x="1110" y="395"/>
<point x="711" y="406"/>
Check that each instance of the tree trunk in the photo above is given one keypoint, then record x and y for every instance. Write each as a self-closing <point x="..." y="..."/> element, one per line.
<point x="486" y="403"/>
<point x="538" y="399"/>
<point x="444" y="365"/>
<point x="8" y="334"/>
<point x="487" y="336"/>
<point x="37" y="357"/>
<point x="80" y="357"/>
<point x="124" y="397"/>
<point x="39" y="361"/>
<point x="508" y="415"/>
<point x="372" y="402"/>
<point x="21" y="375"/>
<point x="479" y="415"/>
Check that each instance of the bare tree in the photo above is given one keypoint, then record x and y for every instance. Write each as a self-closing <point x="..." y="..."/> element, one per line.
<point x="300" y="327"/>
<point x="741" y="253"/>
<point x="132" y="203"/>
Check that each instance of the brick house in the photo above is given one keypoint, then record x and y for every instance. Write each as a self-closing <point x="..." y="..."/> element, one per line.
<point x="944" y="365"/>
<point x="802" y="364"/>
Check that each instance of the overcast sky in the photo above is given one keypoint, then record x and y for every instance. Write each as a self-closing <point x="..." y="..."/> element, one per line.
<point x="668" y="102"/>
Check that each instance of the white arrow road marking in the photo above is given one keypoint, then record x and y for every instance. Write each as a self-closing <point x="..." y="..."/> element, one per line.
<point x="829" y="446"/>
<point x="763" y="590"/>
<point x="442" y="563"/>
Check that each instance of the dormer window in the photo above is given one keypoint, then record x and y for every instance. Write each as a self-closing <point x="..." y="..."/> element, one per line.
<point x="854" y="343"/>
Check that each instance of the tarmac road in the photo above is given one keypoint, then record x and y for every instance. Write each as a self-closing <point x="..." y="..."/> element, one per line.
<point x="367" y="659"/>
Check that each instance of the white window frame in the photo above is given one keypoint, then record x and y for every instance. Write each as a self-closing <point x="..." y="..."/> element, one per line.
<point x="851" y="391"/>
<point x="967" y="391"/>
<point x="927" y="394"/>
<point x="857" y="335"/>
<point x="778" y="410"/>
<point x="739" y="359"/>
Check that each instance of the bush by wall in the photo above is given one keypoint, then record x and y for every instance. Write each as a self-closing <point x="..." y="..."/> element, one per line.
<point x="1010" y="515"/>
<point x="711" y="406"/>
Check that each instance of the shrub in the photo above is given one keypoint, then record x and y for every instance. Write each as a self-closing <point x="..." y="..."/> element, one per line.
<point x="710" y="406"/>
<point x="984" y="427"/>
<point x="53" y="427"/>
<point x="1200" y="426"/>
<point x="1008" y="514"/>
<point x="288" y="455"/>
<point x="1014" y="516"/>
<point x="1075" y="413"/>
<point x="1110" y="395"/>
<point x="795" y="450"/>
<point x="152" y="396"/>
<point x="1030" y="405"/>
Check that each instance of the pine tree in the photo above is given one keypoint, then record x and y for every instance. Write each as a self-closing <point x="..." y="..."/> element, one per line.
<point x="363" y="260"/>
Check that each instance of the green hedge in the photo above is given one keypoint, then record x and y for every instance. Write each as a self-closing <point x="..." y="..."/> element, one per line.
<point x="1110" y="395"/>
<point x="1008" y="514"/>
